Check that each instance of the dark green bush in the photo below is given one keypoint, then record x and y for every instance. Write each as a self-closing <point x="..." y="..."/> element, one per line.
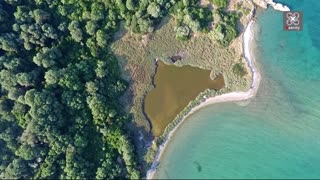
<point x="239" y="69"/>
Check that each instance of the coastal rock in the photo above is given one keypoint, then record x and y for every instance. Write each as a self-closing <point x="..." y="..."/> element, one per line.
<point x="175" y="58"/>
<point x="277" y="6"/>
<point x="261" y="3"/>
<point x="281" y="7"/>
<point x="270" y="2"/>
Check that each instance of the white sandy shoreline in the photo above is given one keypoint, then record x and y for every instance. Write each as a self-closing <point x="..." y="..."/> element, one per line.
<point x="233" y="96"/>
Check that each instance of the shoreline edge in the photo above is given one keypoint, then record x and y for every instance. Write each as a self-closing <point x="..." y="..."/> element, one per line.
<point x="228" y="97"/>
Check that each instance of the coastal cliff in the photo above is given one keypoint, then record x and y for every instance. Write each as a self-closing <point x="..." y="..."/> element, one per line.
<point x="277" y="6"/>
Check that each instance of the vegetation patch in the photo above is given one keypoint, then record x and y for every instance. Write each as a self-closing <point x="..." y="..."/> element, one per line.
<point x="226" y="29"/>
<point x="60" y="116"/>
<point x="137" y="58"/>
<point x="220" y="3"/>
<point x="60" y="84"/>
<point x="239" y="69"/>
<point x="241" y="8"/>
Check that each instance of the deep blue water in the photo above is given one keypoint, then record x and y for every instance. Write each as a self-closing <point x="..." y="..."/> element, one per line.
<point x="277" y="135"/>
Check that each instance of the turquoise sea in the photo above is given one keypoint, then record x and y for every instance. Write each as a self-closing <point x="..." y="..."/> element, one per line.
<point x="277" y="135"/>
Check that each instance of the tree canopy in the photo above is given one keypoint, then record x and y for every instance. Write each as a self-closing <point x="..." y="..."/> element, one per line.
<point x="60" y="84"/>
<point x="226" y="29"/>
<point x="59" y="110"/>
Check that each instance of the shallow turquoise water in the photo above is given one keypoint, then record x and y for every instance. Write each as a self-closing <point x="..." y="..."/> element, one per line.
<point x="277" y="135"/>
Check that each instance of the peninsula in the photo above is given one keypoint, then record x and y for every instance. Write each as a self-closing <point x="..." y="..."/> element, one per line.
<point x="247" y="36"/>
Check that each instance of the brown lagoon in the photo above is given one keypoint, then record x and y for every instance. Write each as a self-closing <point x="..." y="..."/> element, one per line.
<point x="174" y="88"/>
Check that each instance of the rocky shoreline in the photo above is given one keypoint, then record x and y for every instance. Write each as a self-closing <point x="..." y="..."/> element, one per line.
<point x="277" y="6"/>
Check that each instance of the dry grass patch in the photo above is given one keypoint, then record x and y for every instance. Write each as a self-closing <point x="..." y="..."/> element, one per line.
<point x="137" y="56"/>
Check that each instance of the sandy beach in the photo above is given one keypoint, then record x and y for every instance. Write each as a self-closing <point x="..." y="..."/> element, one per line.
<point x="233" y="96"/>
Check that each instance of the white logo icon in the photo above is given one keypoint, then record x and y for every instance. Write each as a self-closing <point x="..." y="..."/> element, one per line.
<point x="293" y="18"/>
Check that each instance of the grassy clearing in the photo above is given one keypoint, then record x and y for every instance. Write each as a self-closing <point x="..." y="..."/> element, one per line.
<point x="200" y="51"/>
<point x="137" y="55"/>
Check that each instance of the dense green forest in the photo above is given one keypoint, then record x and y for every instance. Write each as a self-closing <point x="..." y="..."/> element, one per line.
<point x="59" y="112"/>
<point x="60" y="84"/>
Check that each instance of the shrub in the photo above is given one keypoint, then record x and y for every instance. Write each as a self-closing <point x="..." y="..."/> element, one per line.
<point x="226" y="30"/>
<point x="182" y="33"/>
<point x="239" y="69"/>
<point x="220" y="3"/>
